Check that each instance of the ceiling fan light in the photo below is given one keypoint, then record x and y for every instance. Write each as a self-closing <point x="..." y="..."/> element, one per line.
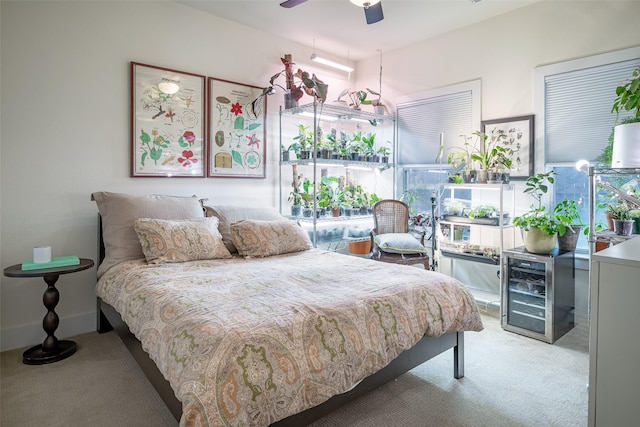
<point x="330" y="63"/>
<point x="364" y="3"/>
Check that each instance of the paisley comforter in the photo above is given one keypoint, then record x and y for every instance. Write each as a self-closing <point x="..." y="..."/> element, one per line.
<point x="247" y="342"/>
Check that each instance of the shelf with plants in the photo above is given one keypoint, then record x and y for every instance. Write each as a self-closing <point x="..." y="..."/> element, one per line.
<point x="475" y="227"/>
<point x="616" y="193"/>
<point x="336" y="163"/>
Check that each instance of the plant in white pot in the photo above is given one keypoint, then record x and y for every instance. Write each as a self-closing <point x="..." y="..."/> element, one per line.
<point x="539" y="228"/>
<point x="626" y="139"/>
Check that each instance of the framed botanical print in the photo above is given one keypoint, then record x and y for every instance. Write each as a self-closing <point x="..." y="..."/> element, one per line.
<point x="519" y="139"/>
<point x="237" y="132"/>
<point x="168" y="122"/>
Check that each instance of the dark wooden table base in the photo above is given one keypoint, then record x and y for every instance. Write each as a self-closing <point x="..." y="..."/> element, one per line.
<point x="37" y="356"/>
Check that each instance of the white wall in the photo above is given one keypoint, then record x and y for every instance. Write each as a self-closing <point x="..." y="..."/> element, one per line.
<point x="66" y="123"/>
<point x="65" y="111"/>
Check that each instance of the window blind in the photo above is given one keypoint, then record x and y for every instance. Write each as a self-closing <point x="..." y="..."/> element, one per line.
<point x="578" y="118"/>
<point x="420" y="123"/>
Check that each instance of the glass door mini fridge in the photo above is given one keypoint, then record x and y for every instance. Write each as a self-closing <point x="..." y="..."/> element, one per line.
<point x="538" y="293"/>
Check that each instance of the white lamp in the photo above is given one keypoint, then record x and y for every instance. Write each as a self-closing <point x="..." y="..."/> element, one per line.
<point x="330" y="63"/>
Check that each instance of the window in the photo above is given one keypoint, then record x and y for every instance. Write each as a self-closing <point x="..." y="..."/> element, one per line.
<point x="574" y="119"/>
<point x="429" y="125"/>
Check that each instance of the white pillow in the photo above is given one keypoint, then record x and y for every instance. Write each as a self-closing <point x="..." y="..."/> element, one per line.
<point x="399" y="243"/>
<point x="120" y="211"/>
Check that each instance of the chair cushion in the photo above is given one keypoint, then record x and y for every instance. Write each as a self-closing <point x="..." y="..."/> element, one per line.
<point x="399" y="243"/>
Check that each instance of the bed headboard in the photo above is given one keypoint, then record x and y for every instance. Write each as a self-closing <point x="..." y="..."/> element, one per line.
<point x="101" y="250"/>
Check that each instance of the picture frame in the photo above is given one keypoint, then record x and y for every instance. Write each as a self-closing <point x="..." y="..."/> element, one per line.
<point x="168" y="122"/>
<point x="237" y="132"/>
<point x="519" y="131"/>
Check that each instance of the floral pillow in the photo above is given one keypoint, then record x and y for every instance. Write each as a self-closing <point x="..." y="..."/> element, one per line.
<point x="168" y="241"/>
<point x="256" y="238"/>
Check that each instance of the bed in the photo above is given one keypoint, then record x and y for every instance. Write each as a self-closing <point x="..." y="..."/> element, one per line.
<point x="237" y="320"/>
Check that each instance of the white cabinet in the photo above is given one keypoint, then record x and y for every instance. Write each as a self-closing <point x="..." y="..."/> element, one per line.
<point x="614" y="346"/>
<point x="344" y="167"/>
<point x="475" y="228"/>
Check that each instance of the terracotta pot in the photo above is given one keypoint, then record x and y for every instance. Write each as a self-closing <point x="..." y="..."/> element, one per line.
<point x="602" y="243"/>
<point x="360" y="248"/>
<point x="609" y="218"/>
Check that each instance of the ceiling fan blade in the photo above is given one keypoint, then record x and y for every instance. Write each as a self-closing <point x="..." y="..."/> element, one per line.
<point x="374" y="13"/>
<point x="291" y="3"/>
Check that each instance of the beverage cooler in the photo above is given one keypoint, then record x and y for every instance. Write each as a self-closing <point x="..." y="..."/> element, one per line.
<point x="538" y="293"/>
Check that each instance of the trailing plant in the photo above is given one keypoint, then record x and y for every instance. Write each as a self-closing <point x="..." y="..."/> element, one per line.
<point x="296" y="83"/>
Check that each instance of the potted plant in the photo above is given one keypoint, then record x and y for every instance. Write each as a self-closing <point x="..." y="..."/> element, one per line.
<point x="305" y="141"/>
<point x="461" y="157"/>
<point x="295" y="147"/>
<point x="635" y="215"/>
<point x="567" y="214"/>
<point x="489" y="153"/>
<point x="626" y="139"/>
<point x="384" y="152"/>
<point x="622" y="220"/>
<point x="296" y="84"/>
<point x="295" y="197"/>
<point x="307" y="198"/>
<point x="539" y="228"/>
<point x="368" y="145"/>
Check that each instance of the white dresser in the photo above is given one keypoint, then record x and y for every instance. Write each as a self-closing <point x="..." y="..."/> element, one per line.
<point x="614" y="347"/>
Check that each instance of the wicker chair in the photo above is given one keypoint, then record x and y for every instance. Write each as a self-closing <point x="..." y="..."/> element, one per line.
<point x="390" y="237"/>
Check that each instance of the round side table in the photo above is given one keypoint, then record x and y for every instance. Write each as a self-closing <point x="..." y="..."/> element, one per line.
<point x="52" y="349"/>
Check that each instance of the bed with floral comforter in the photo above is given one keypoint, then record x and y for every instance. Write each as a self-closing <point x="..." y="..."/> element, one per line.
<point x="249" y="341"/>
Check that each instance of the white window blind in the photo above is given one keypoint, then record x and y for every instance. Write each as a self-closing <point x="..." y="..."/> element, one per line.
<point x="578" y="118"/>
<point x="421" y="122"/>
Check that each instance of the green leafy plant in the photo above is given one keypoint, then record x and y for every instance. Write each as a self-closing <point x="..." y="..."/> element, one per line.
<point x="537" y="216"/>
<point x="618" y="211"/>
<point x="628" y="95"/>
<point x="304" y="138"/>
<point x="490" y="153"/>
<point x="567" y="213"/>
<point x="369" y="143"/>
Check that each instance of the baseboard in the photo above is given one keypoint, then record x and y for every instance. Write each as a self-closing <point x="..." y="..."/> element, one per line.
<point x="32" y="334"/>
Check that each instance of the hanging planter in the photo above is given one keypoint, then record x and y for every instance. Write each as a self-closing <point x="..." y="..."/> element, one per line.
<point x="626" y="146"/>
<point x="626" y="137"/>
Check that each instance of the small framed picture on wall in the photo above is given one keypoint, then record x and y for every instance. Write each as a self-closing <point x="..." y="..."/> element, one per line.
<point x="518" y="140"/>
<point x="168" y="122"/>
<point x="237" y="130"/>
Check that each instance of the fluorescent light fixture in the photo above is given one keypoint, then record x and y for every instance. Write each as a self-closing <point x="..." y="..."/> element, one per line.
<point x="364" y="3"/>
<point x="329" y="63"/>
<point x="320" y="116"/>
<point x="329" y="165"/>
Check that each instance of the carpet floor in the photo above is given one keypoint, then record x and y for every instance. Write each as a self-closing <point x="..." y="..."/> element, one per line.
<point x="510" y="380"/>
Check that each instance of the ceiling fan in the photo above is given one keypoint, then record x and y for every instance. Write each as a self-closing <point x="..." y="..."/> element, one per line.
<point x="372" y="8"/>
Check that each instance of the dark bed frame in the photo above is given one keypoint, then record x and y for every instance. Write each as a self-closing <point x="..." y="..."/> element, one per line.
<point x="428" y="347"/>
